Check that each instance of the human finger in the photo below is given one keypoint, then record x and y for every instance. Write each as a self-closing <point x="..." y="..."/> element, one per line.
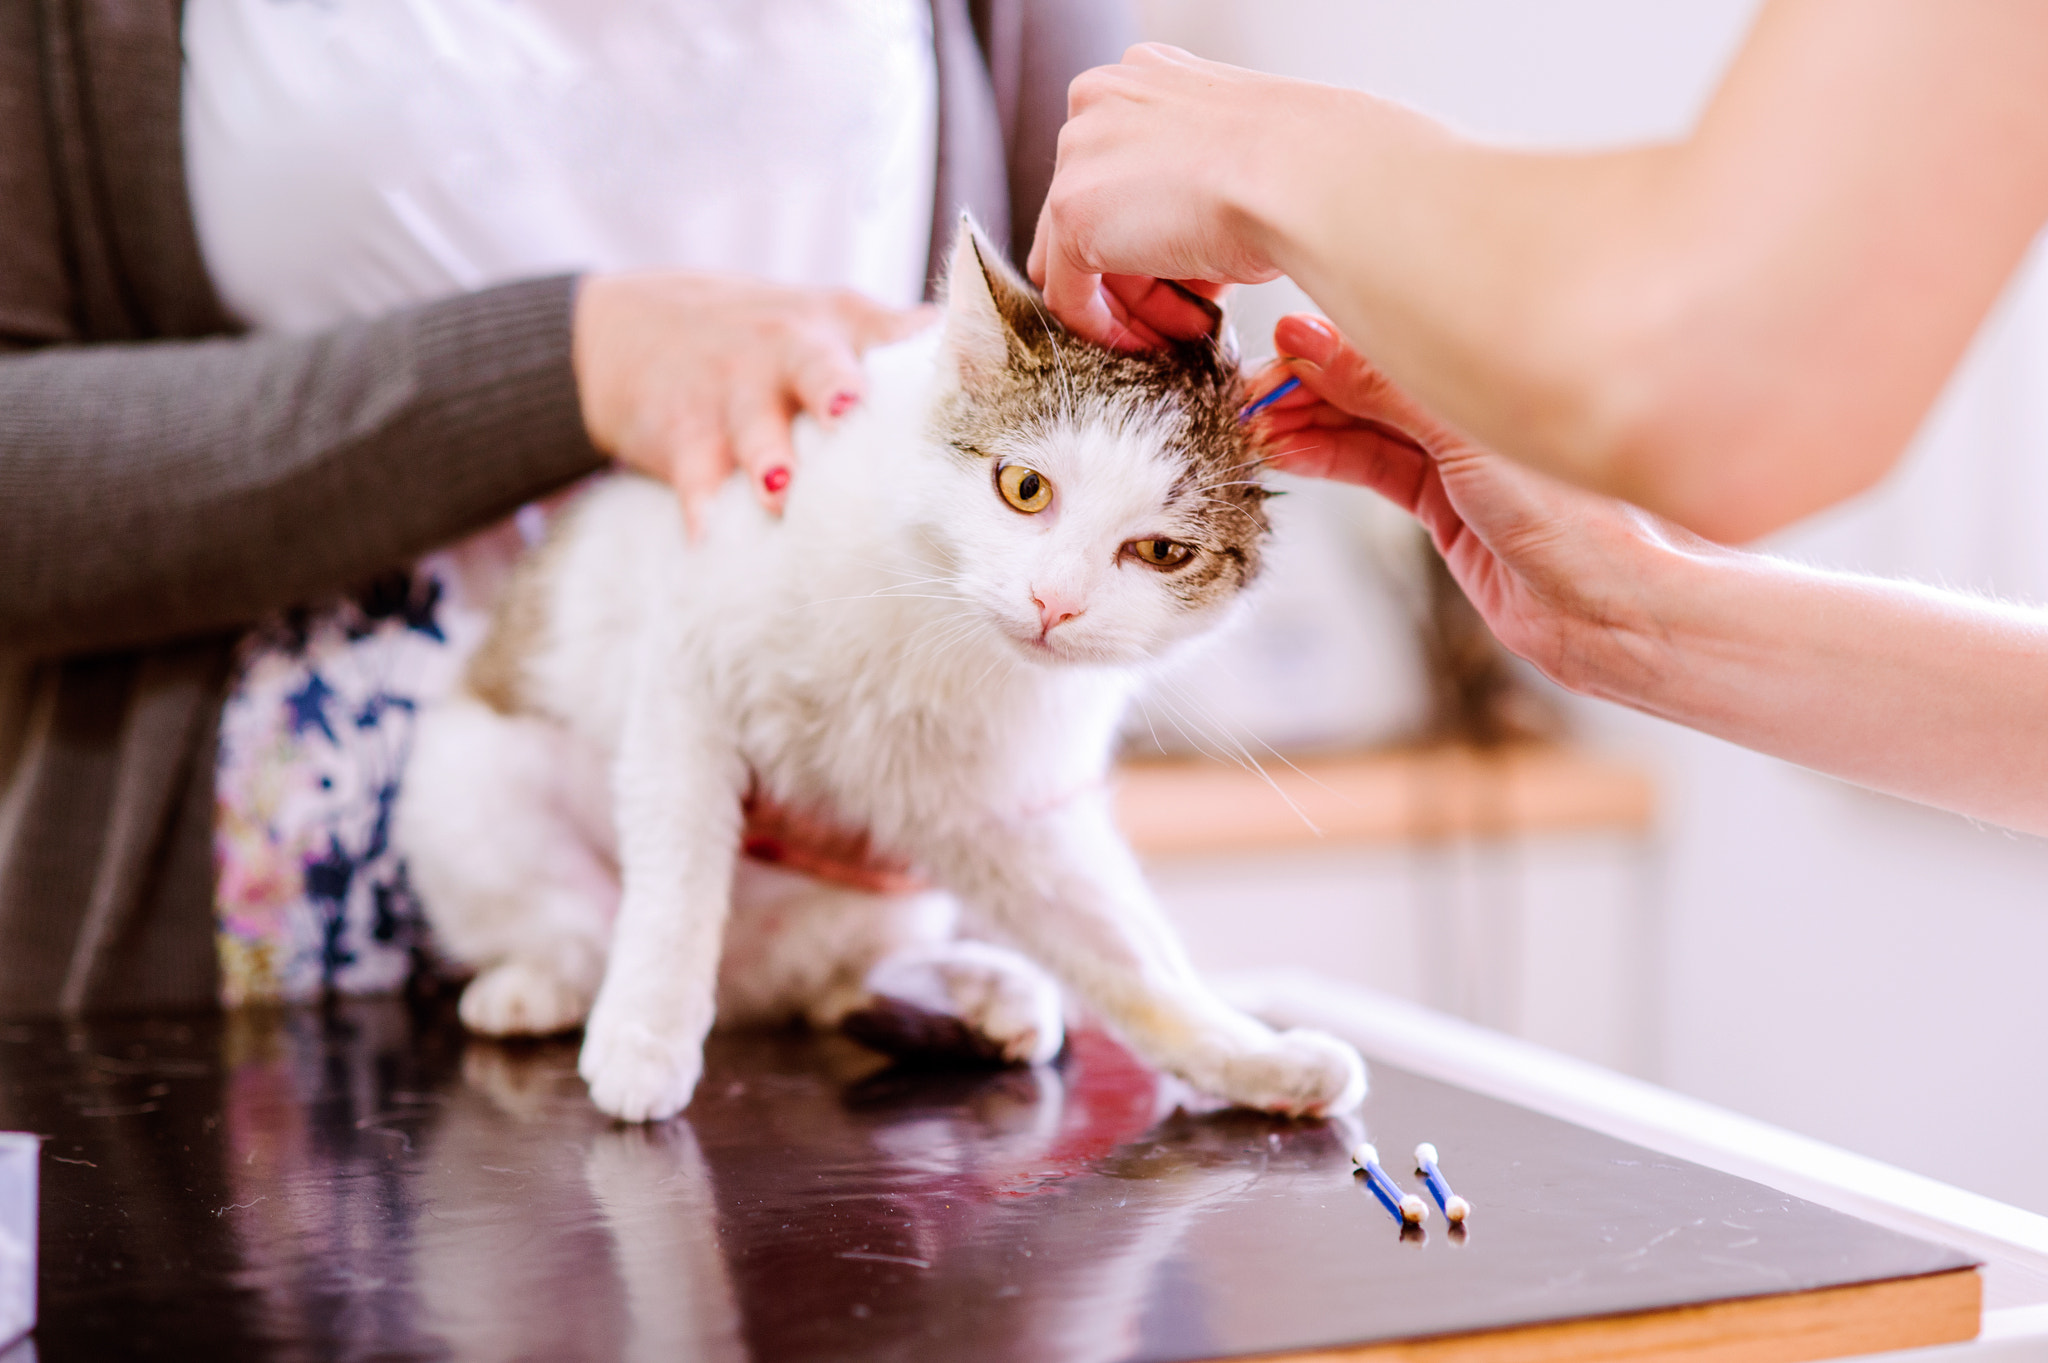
<point x="1034" y="259"/>
<point x="699" y="459"/>
<point x="1365" y="455"/>
<point x="1168" y="308"/>
<point x="870" y="323"/>
<point x="758" y="419"/>
<point x="823" y="372"/>
<point x="1158" y="54"/>
<point x="1261" y="389"/>
<point x="1334" y="369"/>
<point x="1132" y="332"/>
<point x="1073" y="292"/>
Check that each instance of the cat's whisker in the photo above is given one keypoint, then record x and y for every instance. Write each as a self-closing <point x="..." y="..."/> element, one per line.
<point x="1151" y="728"/>
<point x="895" y="566"/>
<point x="1199" y="742"/>
<point x="1277" y="755"/>
<point x="1252" y="762"/>
<point x="1208" y="739"/>
<point x="1059" y="359"/>
<point x="902" y="589"/>
<point x="951" y="632"/>
<point x="944" y="622"/>
<point x="1003" y="658"/>
<point x="1204" y="499"/>
<point x="882" y="594"/>
<point x="1289" y="763"/>
<point x="930" y="648"/>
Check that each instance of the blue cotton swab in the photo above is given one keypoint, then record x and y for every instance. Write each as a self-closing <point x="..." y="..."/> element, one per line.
<point x="1252" y="409"/>
<point x="1456" y="1208"/>
<point x="1407" y="1206"/>
<point x="1393" y="1209"/>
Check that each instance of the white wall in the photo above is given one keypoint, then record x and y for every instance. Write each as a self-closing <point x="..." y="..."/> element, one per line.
<point x="1835" y="961"/>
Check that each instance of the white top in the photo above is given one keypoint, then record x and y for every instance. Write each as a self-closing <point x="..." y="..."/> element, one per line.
<point x="347" y="157"/>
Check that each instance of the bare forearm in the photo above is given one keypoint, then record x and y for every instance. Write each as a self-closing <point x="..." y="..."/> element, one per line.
<point x="1487" y="283"/>
<point x="1935" y="696"/>
<point x="1734" y="330"/>
<point x="1931" y="695"/>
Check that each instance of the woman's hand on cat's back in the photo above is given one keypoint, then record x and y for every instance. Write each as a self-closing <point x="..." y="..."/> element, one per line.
<point x="687" y="376"/>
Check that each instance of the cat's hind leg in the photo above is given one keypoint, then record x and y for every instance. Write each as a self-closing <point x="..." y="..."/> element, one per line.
<point x="1065" y="884"/>
<point x="800" y="948"/>
<point x="960" y="997"/>
<point x="502" y="821"/>
<point x="888" y="970"/>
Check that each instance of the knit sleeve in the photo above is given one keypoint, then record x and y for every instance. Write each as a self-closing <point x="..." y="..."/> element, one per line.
<point x="153" y="490"/>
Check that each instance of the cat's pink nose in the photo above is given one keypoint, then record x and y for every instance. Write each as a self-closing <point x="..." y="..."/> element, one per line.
<point x="1054" y="610"/>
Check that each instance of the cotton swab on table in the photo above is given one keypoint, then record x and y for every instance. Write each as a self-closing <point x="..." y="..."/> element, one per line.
<point x="1410" y="1208"/>
<point x="1456" y="1208"/>
<point x="1393" y="1208"/>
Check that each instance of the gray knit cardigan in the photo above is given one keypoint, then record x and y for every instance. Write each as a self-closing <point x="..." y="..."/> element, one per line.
<point x="166" y="479"/>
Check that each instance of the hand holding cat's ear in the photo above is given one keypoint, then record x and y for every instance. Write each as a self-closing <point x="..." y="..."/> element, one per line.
<point x="687" y="377"/>
<point x="1166" y="168"/>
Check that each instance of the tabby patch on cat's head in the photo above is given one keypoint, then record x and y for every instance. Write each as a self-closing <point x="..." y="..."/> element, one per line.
<point x="1116" y="506"/>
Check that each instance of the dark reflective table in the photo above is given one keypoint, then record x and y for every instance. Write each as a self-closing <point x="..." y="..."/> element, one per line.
<point x="365" y="1182"/>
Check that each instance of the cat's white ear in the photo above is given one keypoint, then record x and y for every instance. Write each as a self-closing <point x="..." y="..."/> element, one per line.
<point x="982" y="297"/>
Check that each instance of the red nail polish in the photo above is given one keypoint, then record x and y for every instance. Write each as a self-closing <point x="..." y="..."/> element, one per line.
<point x="775" y="479"/>
<point x="842" y="403"/>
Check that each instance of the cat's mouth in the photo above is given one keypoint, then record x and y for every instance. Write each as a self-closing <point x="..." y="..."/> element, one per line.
<point x="1063" y="646"/>
<point x="1038" y="645"/>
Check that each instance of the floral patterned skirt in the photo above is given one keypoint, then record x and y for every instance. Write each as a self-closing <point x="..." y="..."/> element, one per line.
<point x="310" y="896"/>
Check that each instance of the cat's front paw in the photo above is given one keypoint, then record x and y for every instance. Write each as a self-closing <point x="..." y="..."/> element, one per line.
<point x="1301" y="1073"/>
<point x="635" y="1073"/>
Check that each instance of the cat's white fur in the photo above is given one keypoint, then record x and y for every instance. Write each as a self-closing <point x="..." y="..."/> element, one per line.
<point x="879" y="653"/>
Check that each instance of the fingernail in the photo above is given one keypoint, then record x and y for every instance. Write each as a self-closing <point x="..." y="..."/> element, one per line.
<point x="841" y="404"/>
<point x="1321" y="338"/>
<point x="777" y="478"/>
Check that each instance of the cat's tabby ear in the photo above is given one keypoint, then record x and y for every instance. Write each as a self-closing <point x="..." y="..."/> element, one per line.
<point x="991" y="313"/>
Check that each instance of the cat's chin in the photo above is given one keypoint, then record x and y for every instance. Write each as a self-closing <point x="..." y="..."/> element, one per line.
<point x="1057" y="652"/>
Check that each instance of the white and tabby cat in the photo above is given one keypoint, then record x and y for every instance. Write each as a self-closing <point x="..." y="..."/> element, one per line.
<point x="934" y="642"/>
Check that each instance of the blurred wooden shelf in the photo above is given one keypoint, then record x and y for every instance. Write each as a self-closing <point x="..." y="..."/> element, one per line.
<point x="1410" y="795"/>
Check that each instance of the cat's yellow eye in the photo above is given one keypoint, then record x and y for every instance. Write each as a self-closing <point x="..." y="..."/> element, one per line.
<point x="1161" y="553"/>
<point x="1024" y="488"/>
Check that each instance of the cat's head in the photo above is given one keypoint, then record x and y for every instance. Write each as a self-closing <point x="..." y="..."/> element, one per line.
<point x="1110" y="504"/>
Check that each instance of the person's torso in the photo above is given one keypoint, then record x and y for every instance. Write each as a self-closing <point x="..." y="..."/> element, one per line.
<point x="353" y="156"/>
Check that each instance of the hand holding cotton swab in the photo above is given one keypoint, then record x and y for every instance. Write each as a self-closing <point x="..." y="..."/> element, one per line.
<point x="1252" y="409"/>
<point x="1410" y="1208"/>
<point x="1456" y="1208"/>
